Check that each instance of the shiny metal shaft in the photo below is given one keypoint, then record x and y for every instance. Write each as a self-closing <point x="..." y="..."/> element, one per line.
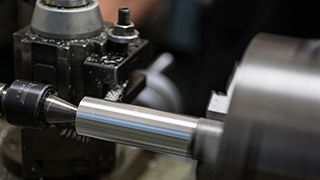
<point x="137" y="126"/>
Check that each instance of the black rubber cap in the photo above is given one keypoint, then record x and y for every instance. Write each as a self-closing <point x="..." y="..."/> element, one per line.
<point x="124" y="16"/>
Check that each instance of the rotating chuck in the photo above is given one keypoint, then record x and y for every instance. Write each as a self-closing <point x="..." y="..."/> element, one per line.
<point x="34" y="105"/>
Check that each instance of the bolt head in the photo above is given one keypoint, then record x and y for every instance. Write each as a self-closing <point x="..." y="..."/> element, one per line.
<point x="123" y="30"/>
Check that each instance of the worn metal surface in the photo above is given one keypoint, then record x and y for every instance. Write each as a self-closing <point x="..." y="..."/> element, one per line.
<point x="68" y="48"/>
<point x="67" y="3"/>
<point x="65" y="23"/>
<point x="76" y="68"/>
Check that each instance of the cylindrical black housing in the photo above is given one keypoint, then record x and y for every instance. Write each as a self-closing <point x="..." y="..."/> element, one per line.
<point x="24" y="99"/>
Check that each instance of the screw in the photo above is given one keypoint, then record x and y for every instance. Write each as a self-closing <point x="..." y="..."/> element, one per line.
<point x="124" y="16"/>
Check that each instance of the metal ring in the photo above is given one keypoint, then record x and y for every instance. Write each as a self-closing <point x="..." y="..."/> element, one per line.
<point x="122" y="39"/>
<point x="75" y="23"/>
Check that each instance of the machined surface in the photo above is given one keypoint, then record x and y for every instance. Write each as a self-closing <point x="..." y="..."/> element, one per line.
<point x="133" y="125"/>
<point x="206" y="140"/>
<point x="125" y="38"/>
<point x="272" y="129"/>
<point x="56" y="110"/>
<point x="64" y="23"/>
<point x="53" y="61"/>
<point x="67" y="3"/>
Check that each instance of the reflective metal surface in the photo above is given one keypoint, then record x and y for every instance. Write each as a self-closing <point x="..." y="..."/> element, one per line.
<point x="123" y="31"/>
<point x="272" y="128"/>
<point x="62" y="23"/>
<point x="206" y="140"/>
<point x="67" y="3"/>
<point x="219" y="103"/>
<point x="56" y="110"/>
<point x="3" y="92"/>
<point x="133" y="125"/>
<point x="123" y="38"/>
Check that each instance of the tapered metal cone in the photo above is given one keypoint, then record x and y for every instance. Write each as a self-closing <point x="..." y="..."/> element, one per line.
<point x="56" y="110"/>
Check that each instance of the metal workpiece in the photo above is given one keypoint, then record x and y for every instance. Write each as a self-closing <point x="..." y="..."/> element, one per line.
<point x="272" y="128"/>
<point x="137" y="126"/>
<point x="206" y="140"/>
<point x="39" y="59"/>
<point x="67" y="3"/>
<point x="56" y="110"/>
<point x="67" y="23"/>
<point x="123" y="31"/>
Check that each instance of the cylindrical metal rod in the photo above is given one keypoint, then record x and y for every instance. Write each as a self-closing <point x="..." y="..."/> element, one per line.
<point x="137" y="126"/>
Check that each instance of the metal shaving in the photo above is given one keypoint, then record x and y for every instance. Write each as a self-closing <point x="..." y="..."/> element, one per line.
<point x="71" y="133"/>
<point x="116" y="94"/>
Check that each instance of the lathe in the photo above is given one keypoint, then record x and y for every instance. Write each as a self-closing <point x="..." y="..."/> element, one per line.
<point x="77" y="95"/>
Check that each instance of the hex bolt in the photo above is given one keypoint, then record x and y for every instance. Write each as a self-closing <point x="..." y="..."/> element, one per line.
<point x="123" y="30"/>
<point x="124" y="16"/>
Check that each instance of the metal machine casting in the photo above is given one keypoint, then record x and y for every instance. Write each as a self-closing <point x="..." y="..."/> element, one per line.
<point x="68" y="46"/>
